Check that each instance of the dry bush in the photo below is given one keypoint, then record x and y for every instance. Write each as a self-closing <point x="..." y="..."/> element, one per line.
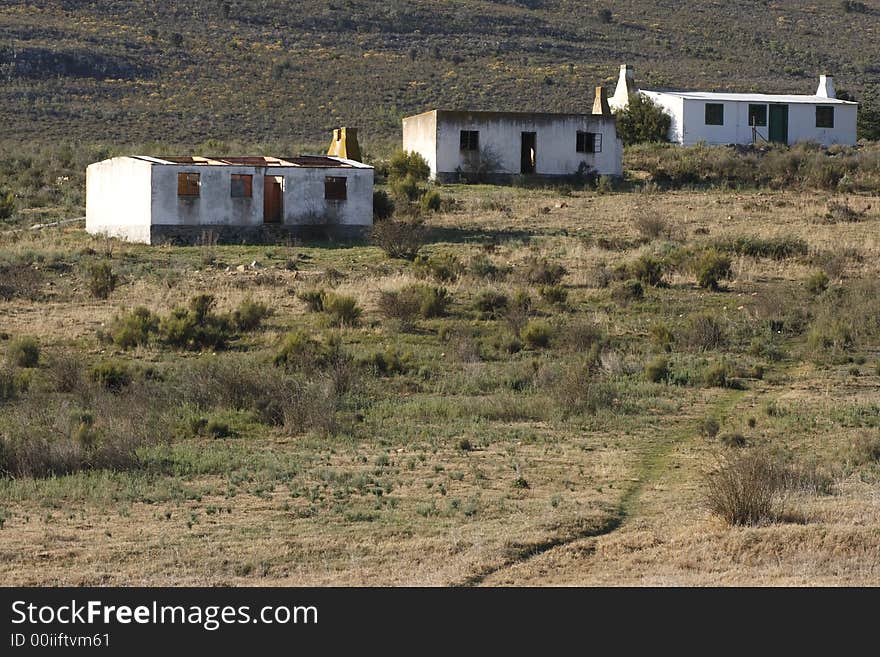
<point x="20" y="281"/>
<point x="703" y="332"/>
<point x="745" y="490"/>
<point x="400" y="239"/>
<point x="581" y="389"/>
<point x="650" y="225"/>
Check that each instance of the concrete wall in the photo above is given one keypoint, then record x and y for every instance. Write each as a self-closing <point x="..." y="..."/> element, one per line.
<point x="128" y="198"/>
<point x="689" y="122"/>
<point x="303" y="194"/>
<point x="420" y="136"/>
<point x="500" y="134"/>
<point x="118" y="200"/>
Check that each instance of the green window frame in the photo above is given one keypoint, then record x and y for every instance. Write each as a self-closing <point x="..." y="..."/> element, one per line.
<point x="714" y="114"/>
<point x="824" y="116"/>
<point x="757" y="116"/>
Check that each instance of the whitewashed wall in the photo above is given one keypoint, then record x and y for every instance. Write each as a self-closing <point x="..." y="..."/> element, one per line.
<point x="689" y="122"/>
<point x="436" y="136"/>
<point x="118" y="202"/>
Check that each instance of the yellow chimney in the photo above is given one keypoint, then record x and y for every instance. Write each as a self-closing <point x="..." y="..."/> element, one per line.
<point x="600" y="104"/>
<point x="345" y="144"/>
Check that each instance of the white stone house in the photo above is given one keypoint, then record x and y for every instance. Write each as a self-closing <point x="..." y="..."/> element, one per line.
<point x="747" y="118"/>
<point x="179" y="199"/>
<point x="500" y="146"/>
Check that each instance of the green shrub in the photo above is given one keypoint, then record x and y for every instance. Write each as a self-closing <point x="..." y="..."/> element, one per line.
<point x="407" y="189"/>
<point x="864" y="449"/>
<point x="196" y="327"/>
<point x="555" y="294"/>
<point x="300" y="352"/>
<point x="662" y="336"/>
<point x="314" y="299"/>
<point x="102" y="280"/>
<point x="405" y="164"/>
<point x="445" y="268"/>
<point x="776" y="248"/>
<point x="433" y="301"/>
<point x="830" y="336"/>
<point x="112" y="375"/>
<point x="710" y="267"/>
<point x="388" y="362"/>
<point x="135" y="328"/>
<point x="491" y="303"/>
<point x="716" y="375"/>
<point x="24" y="352"/>
<point x="341" y="310"/>
<point x="383" y="205"/>
<point x="580" y="389"/>
<point x="648" y="270"/>
<point x="627" y="292"/>
<point x="537" y="334"/>
<point x="642" y="121"/>
<point x="9" y="385"/>
<point x="250" y="314"/>
<point x="431" y="201"/>
<point x="657" y="370"/>
<point x="817" y="282"/>
<point x="7" y="205"/>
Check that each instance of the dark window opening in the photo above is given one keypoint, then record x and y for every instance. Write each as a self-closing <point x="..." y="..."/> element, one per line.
<point x="714" y="114"/>
<point x="241" y="186"/>
<point x="188" y="184"/>
<point x="824" y="117"/>
<point x="335" y="189"/>
<point x="588" y="142"/>
<point x="470" y="140"/>
<point x="757" y="115"/>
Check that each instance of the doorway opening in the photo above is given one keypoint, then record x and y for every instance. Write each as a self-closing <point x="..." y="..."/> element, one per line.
<point x="528" y="152"/>
<point x="273" y="199"/>
<point x="778" y="130"/>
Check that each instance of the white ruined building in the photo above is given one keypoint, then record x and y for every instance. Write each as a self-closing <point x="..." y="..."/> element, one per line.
<point x="747" y="118"/>
<point x="499" y="146"/>
<point x="178" y="199"/>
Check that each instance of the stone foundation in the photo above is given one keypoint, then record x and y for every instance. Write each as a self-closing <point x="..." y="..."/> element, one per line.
<point x="265" y="234"/>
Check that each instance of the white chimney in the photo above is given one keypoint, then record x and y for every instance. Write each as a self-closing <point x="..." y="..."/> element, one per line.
<point x="826" y="87"/>
<point x="626" y="87"/>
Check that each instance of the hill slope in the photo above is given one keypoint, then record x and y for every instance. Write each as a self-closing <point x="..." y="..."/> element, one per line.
<point x="285" y="72"/>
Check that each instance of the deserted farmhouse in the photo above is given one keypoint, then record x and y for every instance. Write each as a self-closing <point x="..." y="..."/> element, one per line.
<point x="154" y="200"/>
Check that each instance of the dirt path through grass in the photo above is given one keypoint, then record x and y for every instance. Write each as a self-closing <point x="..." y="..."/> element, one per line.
<point x="654" y="462"/>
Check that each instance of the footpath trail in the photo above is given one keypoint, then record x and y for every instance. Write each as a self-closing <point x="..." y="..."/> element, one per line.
<point x="655" y="461"/>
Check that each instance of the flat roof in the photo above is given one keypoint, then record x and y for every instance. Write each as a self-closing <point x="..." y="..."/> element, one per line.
<point x="751" y="98"/>
<point x="306" y="161"/>
<point x="515" y="115"/>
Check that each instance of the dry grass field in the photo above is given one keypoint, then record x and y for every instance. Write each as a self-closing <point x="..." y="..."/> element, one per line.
<point x="571" y="439"/>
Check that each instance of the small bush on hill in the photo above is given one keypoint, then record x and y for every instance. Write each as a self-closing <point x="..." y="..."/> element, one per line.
<point x="24" y="352"/>
<point x="628" y="291"/>
<point x="383" y="205"/>
<point x="112" y="375"/>
<point x="102" y="280"/>
<point x="703" y="332"/>
<point x="341" y="310"/>
<point x="491" y="303"/>
<point x="314" y="299"/>
<point x="250" y="315"/>
<point x="135" y="328"/>
<point x="744" y="491"/>
<point x="537" y="334"/>
<point x="711" y="267"/>
<point x="405" y="164"/>
<point x="400" y="239"/>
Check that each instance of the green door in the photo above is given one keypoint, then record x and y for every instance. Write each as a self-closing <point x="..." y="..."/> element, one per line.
<point x="778" y="130"/>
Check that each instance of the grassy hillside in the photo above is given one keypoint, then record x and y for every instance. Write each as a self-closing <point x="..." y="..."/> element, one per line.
<point x="282" y="72"/>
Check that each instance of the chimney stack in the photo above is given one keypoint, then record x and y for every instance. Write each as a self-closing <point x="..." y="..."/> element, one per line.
<point x="345" y="144"/>
<point x="626" y="87"/>
<point x="600" y="104"/>
<point x="826" y="87"/>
